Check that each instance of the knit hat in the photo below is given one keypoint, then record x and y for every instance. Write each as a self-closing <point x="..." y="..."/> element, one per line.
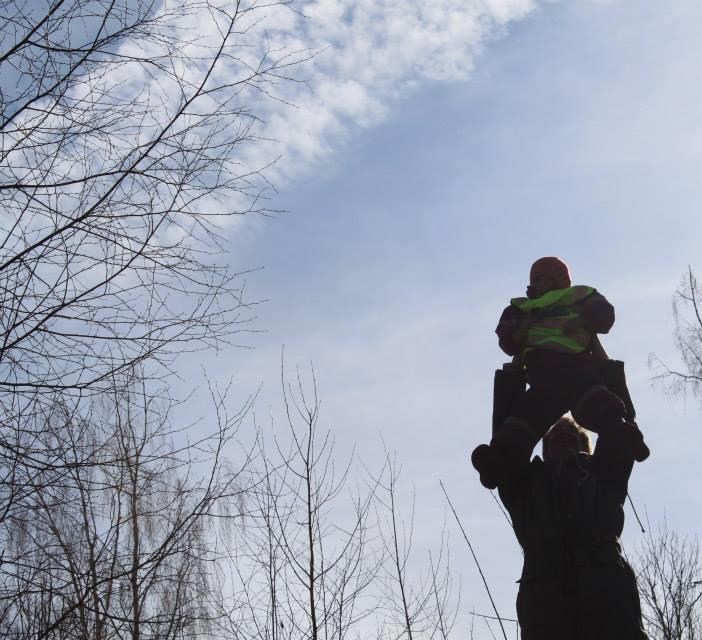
<point x="553" y="268"/>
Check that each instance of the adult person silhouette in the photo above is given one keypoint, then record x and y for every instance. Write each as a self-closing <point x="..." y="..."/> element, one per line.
<point x="567" y="511"/>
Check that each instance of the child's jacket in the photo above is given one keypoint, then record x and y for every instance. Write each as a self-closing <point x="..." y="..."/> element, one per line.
<point x="561" y="320"/>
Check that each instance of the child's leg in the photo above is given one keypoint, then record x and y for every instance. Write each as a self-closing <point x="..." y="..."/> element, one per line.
<point x="508" y="390"/>
<point x="539" y="408"/>
<point x="514" y="438"/>
<point x="596" y="405"/>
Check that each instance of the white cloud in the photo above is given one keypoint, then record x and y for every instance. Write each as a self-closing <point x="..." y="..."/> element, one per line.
<point x="368" y="54"/>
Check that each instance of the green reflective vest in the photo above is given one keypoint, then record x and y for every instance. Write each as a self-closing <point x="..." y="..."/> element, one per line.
<point x="547" y="316"/>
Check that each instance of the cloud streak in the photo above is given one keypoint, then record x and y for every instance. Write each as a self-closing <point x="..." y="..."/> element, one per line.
<point x="367" y="55"/>
<point x="359" y="58"/>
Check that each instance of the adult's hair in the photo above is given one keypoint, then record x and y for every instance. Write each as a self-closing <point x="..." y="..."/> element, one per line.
<point x="566" y="423"/>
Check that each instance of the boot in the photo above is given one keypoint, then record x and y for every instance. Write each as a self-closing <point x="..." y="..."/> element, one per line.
<point x="634" y="441"/>
<point x="511" y="446"/>
<point x="489" y="464"/>
<point x="597" y="407"/>
<point x="626" y="438"/>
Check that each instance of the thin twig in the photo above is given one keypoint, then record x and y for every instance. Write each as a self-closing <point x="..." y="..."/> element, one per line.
<point x="475" y="558"/>
<point x="631" y="502"/>
<point x="502" y="509"/>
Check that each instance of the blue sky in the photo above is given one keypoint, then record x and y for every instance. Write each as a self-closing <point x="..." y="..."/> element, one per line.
<point x="573" y="129"/>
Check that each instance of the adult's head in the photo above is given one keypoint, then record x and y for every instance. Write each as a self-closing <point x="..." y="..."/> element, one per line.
<point x="565" y="438"/>
<point x="547" y="274"/>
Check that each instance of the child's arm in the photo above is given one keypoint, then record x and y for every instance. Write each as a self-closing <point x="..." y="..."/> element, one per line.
<point x="507" y="330"/>
<point x="597" y="313"/>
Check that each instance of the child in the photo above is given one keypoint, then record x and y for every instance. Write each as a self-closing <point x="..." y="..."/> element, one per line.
<point x="552" y="335"/>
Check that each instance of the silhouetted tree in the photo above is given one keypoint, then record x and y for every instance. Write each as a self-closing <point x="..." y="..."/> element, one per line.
<point x="687" y="309"/>
<point x="126" y="131"/>
<point x="123" y="126"/>
<point x="123" y="130"/>
<point x="417" y="603"/>
<point x="670" y="584"/>
<point x="310" y="536"/>
<point x="326" y="554"/>
<point x="120" y="535"/>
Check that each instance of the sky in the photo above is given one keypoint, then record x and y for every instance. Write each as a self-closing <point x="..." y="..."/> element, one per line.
<point x="436" y="151"/>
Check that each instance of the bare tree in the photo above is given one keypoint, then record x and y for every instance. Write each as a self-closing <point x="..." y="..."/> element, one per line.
<point x="311" y="540"/>
<point x="419" y="602"/>
<point x="670" y="584"/>
<point x="120" y="539"/>
<point x="126" y="131"/>
<point x="317" y="555"/>
<point x="126" y="137"/>
<point x="124" y="128"/>
<point x="687" y="309"/>
<point x="669" y="566"/>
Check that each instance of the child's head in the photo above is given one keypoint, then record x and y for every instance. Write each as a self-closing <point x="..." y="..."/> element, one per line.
<point x="547" y="274"/>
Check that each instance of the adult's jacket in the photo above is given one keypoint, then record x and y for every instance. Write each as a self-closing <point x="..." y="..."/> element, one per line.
<point x="575" y="583"/>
